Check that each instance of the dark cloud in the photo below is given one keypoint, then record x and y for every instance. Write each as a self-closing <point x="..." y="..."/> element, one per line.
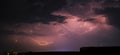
<point x="19" y="11"/>
<point x="11" y="32"/>
<point x="113" y="15"/>
<point x="24" y="20"/>
<point x="26" y="11"/>
<point x="111" y="8"/>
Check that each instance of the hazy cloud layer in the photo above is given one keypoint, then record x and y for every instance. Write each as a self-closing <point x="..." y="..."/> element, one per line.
<point x="77" y="24"/>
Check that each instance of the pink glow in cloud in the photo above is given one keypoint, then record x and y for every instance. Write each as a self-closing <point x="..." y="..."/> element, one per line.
<point x="83" y="27"/>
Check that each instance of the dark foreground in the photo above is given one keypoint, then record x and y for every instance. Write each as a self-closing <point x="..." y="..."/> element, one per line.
<point x="83" y="51"/>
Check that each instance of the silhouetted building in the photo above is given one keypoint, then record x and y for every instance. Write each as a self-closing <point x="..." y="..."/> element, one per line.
<point x="99" y="50"/>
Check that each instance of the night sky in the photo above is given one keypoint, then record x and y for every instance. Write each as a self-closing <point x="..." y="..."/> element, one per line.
<point x="58" y="25"/>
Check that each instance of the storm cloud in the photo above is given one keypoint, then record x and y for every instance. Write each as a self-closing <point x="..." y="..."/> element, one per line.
<point x="59" y="25"/>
